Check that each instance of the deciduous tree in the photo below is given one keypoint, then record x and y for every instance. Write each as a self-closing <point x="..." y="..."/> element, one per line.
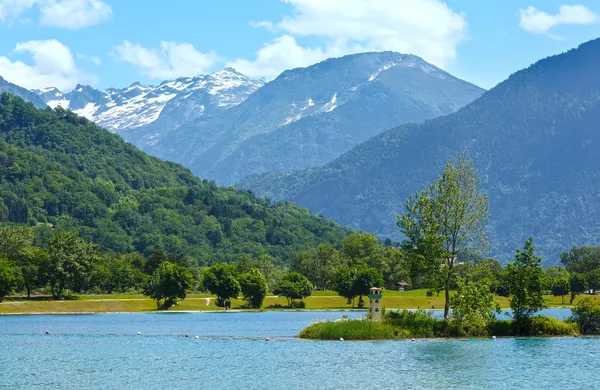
<point x="444" y="223"/>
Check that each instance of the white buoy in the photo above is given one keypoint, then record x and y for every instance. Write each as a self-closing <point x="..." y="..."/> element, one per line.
<point x="341" y="339"/>
<point x="267" y="339"/>
<point x="196" y="337"/>
<point x="494" y="337"/>
<point x="139" y="333"/>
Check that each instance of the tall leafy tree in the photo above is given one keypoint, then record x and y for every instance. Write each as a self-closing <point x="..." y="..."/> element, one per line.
<point x="293" y="286"/>
<point x="168" y="283"/>
<point x="473" y="306"/>
<point x="364" y="279"/>
<point x="577" y="285"/>
<point x="444" y="223"/>
<point x="30" y="260"/>
<point x="318" y="265"/>
<point x="525" y="275"/>
<point x="10" y="278"/>
<point x="254" y="288"/>
<point x="220" y="280"/>
<point x="343" y="283"/>
<point x="69" y="263"/>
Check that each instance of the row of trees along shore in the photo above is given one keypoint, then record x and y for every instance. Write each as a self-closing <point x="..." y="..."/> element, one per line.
<point x="445" y="240"/>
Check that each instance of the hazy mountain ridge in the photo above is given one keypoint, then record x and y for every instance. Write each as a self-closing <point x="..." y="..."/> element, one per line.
<point x="309" y="116"/>
<point x="532" y="139"/>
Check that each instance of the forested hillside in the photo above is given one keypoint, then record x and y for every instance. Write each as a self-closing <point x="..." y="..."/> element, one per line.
<point x="61" y="170"/>
<point x="534" y="140"/>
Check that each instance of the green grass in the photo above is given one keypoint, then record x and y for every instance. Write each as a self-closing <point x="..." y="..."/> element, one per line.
<point x="320" y="300"/>
<point x="352" y="330"/>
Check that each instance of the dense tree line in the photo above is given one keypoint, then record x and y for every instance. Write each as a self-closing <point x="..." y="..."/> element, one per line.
<point x="61" y="170"/>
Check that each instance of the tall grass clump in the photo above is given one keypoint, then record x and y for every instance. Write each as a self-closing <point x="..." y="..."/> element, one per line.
<point x="534" y="326"/>
<point x="417" y="323"/>
<point x="352" y="330"/>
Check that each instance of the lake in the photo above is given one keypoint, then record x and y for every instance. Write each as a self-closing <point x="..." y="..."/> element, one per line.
<point x="104" y="351"/>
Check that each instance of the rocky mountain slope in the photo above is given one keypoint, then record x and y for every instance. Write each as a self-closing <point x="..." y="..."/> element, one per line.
<point x="533" y="138"/>
<point x="165" y="105"/>
<point x="309" y="116"/>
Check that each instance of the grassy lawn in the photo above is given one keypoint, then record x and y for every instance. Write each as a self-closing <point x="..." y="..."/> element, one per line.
<point x="320" y="300"/>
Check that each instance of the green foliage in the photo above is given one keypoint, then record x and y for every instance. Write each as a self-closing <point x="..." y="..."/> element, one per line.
<point x="254" y="288"/>
<point x="168" y="283"/>
<point x="69" y="263"/>
<point x="61" y="170"/>
<point x="526" y="283"/>
<point x="343" y="283"/>
<point x="586" y="313"/>
<point x="318" y="265"/>
<point x="533" y="326"/>
<point x="415" y="323"/>
<point x="293" y="286"/>
<point x="577" y="285"/>
<point x="581" y="260"/>
<point x="473" y="307"/>
<point x="444" y="223"/>
<point x="10" y="278"/>
<point x="364" y="279"/>
<point x="220" y="280"/>
<point x="560" y="287"/>
<point x="352" y="330"/>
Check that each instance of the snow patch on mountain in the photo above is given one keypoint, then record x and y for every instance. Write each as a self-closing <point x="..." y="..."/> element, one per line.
<point x="139" y="105"/>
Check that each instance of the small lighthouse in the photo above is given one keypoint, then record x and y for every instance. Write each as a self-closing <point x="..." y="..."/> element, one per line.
<point x="374" y="304"/>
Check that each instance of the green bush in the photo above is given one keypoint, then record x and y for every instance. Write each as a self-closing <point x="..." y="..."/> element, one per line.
<point x="586" y="314"/>
<point x="500" y="328"/>
<point x="547" y="326"/>
<point x="416" y="323"/>
<point x="352" y="330"/>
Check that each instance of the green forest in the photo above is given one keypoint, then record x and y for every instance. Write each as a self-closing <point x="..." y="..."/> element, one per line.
<point x="59" y="171"/>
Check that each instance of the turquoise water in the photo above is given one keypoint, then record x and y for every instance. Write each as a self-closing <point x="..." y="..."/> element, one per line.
<point x="104" y="351"/>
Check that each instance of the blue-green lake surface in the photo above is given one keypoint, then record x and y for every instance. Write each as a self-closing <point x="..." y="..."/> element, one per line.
<point x="103" y="351"/>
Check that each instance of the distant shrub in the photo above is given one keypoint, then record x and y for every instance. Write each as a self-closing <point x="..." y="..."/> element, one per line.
<point x="546" y="326"/>
<point x="417" y="323"/>
<point x="586" y="314"/>
<point x="352" y="330"/>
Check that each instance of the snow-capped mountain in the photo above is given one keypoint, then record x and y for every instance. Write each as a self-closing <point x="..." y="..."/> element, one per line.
<point x="307" y="117"/>
<point x="171" y="102"/>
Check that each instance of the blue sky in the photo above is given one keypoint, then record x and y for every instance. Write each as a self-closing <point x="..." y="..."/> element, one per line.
<point x="109" y="43"/>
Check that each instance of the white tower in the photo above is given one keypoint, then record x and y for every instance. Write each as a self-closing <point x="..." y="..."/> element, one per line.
<point x="374" y="304"/>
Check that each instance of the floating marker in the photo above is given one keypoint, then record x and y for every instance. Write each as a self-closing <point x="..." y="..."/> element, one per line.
<point x="267" y="339"/>
<point x="341" y="339"/>
<point x="414" y="340"/>
<point x="139" y="333"/>
<point x="47" y="332"/>
<point x="494" y="337"/>
<point x="196" y="337"/>
<point x="187" y="335"/>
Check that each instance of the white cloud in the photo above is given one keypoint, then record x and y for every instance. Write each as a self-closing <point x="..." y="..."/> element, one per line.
<point x="10" y="9"/>
<point x="428" y="28"/>
<point x="539" y="22"/>
<point x="68" y="14"/>
<point x="172" y="60"/>
<point x="74" y="14"/>
<point x="53" y="66"/>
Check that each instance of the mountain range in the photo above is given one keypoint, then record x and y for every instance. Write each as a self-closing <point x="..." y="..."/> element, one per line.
<point x="225" y="126"/>
<point x="533" y="139"/>
<point x="155" y="108"/>
<point x="309" y="116"/>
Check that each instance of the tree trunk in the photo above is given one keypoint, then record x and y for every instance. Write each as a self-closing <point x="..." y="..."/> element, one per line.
<point x="447" y="303"/>
<point x="28" y="292"/>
